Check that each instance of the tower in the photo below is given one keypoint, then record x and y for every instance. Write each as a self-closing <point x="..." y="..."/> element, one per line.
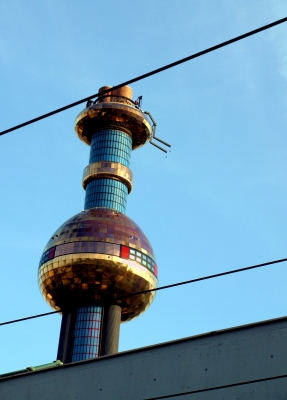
<point x="93" y="265"/>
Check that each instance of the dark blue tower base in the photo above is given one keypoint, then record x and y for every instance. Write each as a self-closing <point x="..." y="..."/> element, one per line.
<point x="90" y="332"/>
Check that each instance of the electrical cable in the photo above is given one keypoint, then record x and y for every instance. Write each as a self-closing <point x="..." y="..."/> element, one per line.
<point x="24" y="319"/>
<point x="233" y="271"/>
<point x="218" y="387"/>
<point x="156" y="71"/>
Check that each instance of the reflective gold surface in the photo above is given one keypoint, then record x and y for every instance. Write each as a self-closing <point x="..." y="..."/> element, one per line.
<point x="108" y="169"/>
<point x="82" y="275"/>
<point x="114" y="115"/>
<point x="124" y="91"/>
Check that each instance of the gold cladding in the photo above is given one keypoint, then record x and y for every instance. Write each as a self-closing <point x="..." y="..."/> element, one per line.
<point x="108" y="114"/>
<point x="85" y="277"/>
<point x="79" y="278"/>
<point x="108" y="169"/>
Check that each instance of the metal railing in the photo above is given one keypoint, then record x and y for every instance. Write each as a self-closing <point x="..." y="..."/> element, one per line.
<point x="114" y="99"/>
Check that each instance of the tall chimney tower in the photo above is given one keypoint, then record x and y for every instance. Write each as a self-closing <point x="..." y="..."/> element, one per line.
<point x="97" y="258"/>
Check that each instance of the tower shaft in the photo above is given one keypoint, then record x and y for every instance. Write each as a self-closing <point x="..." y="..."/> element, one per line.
<point x="87" y="333"/>
<point x="94" y="329"/>
<point x="114" y="147"/>
<point x="98" y="258"/>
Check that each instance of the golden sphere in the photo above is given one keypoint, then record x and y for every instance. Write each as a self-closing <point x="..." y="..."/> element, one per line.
<point x="98" y="256"/>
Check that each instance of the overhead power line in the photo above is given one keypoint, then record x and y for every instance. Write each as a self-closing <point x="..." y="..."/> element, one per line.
<point x="26" y="318"/>
<point x="204" y="278"/>
<point x="148" y="74"/>
<point x="218" y="387"/>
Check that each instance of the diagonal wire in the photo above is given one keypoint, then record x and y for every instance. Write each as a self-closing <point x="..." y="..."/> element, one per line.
<point x="233" y="271"/>
<point x="156" y="71"/>
<point x="204" y="278"/>
<point x="26" y="318"/>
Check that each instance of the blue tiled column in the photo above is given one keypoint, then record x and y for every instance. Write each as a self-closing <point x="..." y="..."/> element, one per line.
<point x="87" y="333"/>
<point x="109" y="145"/>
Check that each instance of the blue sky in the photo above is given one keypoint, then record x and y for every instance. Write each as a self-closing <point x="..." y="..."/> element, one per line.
<point x="216" y="202"/>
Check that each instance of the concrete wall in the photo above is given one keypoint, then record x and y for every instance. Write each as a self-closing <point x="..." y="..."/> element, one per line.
<point x="228" y="357"/>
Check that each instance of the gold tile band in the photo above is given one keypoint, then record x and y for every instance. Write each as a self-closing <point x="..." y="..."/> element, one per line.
<point x="87" y="277"/>
<point x="106" y="115"/>
<point x="108" y="169"/>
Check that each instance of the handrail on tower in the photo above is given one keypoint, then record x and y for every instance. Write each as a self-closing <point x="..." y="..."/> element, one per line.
<point x="154" y="136"/>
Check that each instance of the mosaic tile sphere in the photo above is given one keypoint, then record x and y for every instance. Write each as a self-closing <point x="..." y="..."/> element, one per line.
<point x="98" y="256"/>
